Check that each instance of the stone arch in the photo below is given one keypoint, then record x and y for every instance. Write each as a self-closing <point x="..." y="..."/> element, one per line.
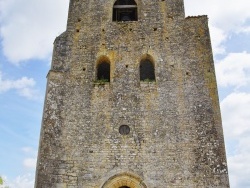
<point x="147" y="68"/>
<point x="103" y="69"/>
<point x="125" y="10"/>
<point x="124" y="180"/>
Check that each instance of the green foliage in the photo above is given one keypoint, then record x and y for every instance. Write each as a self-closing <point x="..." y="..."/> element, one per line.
<point x="1" y="180"/>
<point x="148" y="80"/>
<point x="2" y="183"/>
<point x="102" y="81"/>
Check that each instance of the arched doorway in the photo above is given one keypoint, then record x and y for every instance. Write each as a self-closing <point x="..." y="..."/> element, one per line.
<point x="124" y="180"/>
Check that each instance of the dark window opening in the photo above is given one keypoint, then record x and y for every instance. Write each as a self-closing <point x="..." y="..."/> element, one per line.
<point x="125" y="10"/>
<point x="147" y="71"/>
<point x="103" y="72"/>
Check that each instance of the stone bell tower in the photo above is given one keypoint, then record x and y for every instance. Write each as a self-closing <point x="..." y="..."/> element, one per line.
<point x="131" y="100"/>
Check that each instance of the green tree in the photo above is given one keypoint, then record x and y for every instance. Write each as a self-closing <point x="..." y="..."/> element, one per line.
<point x="1" y="180"/>
<point x="2" y="183"/>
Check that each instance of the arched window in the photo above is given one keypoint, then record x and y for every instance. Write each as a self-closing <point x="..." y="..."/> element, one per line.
<point x="147" y="70"/>
<point x="103" y="71"/>
<point x="125" y="10"/>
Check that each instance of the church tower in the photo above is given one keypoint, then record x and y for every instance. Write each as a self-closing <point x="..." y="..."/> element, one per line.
<point x="131" y="100"/>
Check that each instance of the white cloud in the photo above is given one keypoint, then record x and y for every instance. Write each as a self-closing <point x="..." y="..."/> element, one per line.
<point x="244" y="30"/>
<point x="236" y="115"/>
<point x="234" y="70"/>
<point x="24" y="181"/>
<point x="27" y="149"/>
<point x="29" y="27"/>
<point x="225" y="17"/>
<point x="24" y="87"/>
<point x="225" y="14"/>
<point x="17" y="84"/>
<point x="218" y="36"/>
<point x="29" y="93"/>
<point x="30" y="163"/>
<point x="239" y="168"/>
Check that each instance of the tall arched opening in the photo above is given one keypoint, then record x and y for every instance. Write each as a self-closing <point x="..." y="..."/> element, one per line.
<point x="103" y="69"/>
<point x="147" y="68"/>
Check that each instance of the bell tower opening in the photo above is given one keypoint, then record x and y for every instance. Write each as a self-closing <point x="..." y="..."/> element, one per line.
<point x="125" y="10"/>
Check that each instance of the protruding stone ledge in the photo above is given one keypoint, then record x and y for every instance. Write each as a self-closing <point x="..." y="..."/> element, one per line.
<point x="55" y="75"/>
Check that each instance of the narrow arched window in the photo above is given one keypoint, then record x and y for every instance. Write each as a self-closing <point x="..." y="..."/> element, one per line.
<point x="125" y="10"/>
<point x="103" y="71"/>
<point x="147" y="70"/>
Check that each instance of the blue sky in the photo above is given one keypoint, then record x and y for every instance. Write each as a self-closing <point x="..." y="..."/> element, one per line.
<point x="27" y="31"/>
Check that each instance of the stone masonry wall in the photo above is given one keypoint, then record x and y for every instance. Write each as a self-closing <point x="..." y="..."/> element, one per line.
<point x="176" y="137"/>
